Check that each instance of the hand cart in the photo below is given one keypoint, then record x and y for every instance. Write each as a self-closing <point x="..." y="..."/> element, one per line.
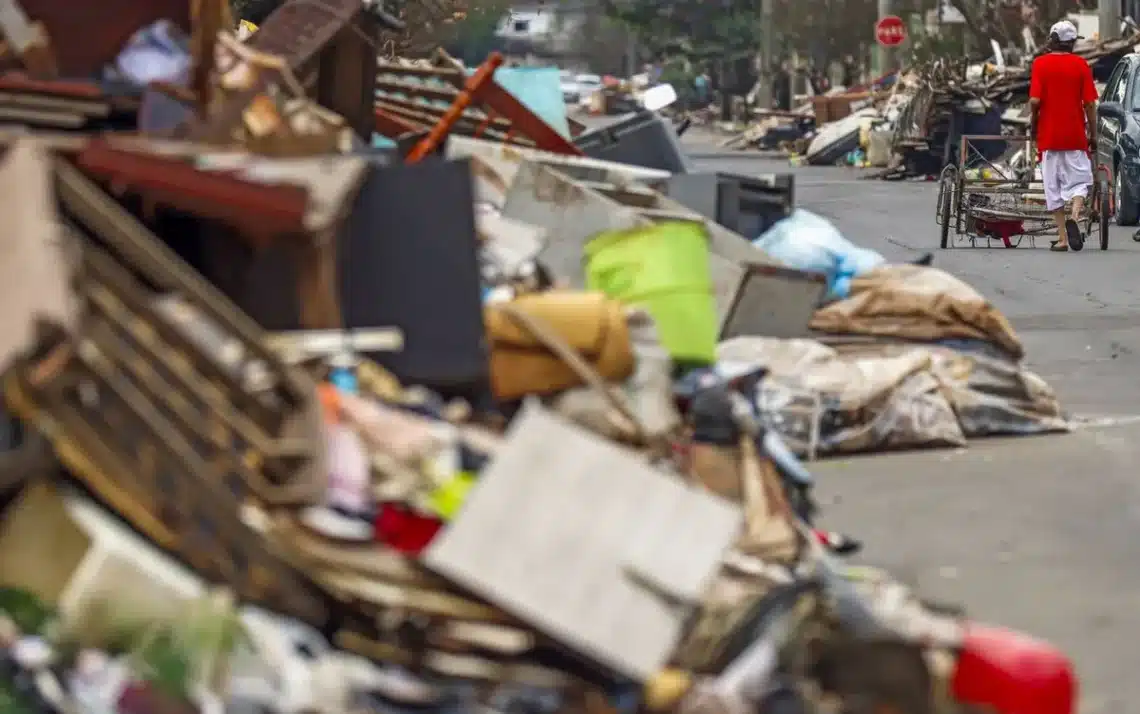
<point x="981" y="202"/>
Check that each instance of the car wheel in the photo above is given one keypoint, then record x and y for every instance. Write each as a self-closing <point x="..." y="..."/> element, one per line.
<point x="1127" y="208"/>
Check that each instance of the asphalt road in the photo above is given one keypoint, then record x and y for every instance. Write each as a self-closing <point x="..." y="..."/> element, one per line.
<point x="1040" y="534"/>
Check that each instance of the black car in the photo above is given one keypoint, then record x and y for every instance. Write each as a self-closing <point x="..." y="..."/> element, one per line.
<point x="1118" y="136"/>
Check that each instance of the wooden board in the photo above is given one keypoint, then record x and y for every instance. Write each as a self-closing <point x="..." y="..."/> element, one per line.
<point x="36" y="270"/>
<point x="586" y="542"/>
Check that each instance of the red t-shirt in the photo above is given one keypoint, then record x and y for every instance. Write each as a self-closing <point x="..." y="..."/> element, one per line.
<point x="1064" y="83"/>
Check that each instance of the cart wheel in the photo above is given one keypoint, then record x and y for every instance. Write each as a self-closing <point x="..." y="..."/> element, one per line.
<point x="947" y="193"/>
<point x="1103" y="208"/>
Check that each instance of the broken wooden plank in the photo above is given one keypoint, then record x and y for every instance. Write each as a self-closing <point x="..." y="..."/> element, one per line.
<point x="604" y="554"/>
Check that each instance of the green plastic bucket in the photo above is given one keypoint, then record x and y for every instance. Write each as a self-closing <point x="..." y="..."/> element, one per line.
<point x="663" y="268"/>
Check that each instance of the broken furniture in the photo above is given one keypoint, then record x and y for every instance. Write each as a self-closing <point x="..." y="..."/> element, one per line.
<point x="748" y="205"/>
<point x="158" y="395"/>
<point x="442" y="98"/>
<point x="233" y="213"/>
<point x="774" y="301"/>
<point x="643" y="138"/>
<point x="494" y="166"/>
<point x="67" y="104"/>
<point x="325" y="45"/>
<point x="406" y="262"/>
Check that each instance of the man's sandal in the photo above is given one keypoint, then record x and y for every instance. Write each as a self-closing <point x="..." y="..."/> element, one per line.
<point x="1073" y="232"/>
<point x="1058" y="247"/>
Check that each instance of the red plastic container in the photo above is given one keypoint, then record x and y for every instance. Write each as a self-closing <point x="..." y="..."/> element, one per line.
<point x="1012" y="673"/>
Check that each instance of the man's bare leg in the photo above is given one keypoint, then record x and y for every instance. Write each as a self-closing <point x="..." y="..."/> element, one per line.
<point x="1078" y="206"/>
<point x="1062" y="234"/>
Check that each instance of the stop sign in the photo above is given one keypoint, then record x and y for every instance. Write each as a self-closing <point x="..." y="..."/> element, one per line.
<point x="890" y="31"/>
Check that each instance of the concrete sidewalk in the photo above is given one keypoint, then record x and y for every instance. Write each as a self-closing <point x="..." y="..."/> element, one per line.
<point x="1017" y="531"/>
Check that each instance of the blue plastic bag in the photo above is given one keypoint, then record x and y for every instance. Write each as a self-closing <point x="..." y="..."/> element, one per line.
<point x="806" y="241"/>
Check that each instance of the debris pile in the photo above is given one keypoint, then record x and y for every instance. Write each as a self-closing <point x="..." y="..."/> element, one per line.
<point x="951" y="99"/>
<point x="912" y="127"/>
<point x="469" y="422"/>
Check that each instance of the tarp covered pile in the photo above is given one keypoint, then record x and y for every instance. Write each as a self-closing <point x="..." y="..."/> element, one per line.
<point x="296" y="425"/>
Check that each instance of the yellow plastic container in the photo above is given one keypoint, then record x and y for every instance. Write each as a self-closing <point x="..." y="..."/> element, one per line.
<point x="665" y="269"/>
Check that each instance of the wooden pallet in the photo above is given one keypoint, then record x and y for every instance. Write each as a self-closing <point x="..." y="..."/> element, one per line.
<point x="174" y="428"/>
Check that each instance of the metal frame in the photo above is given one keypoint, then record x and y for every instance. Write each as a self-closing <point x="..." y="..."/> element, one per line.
<point x="969" y="205"/>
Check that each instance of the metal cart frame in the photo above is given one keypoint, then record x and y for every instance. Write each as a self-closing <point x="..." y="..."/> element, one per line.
<point x="982" y="202"/>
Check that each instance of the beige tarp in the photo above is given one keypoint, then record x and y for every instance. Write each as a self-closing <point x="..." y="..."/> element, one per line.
<point x="872" y="396"/>
<point x="917" y="303"/>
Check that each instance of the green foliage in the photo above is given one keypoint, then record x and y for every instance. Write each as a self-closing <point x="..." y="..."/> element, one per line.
<point x="164" y="662"/>
<point x="11" y="703"/>
<point x="473" y="38"/>
<point x="723" y="29"/>
<point x="172" y="656"/>
<point x="29" y="614"/>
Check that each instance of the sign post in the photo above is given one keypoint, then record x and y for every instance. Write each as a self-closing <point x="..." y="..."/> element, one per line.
<point x="890" y="32"/>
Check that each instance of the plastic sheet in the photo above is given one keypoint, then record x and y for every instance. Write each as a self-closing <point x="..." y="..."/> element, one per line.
<point x="158" y="53"/>
<point x="807" y="241"/>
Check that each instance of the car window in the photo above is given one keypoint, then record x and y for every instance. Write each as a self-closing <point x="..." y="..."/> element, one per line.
<point x="1134" y="95"/>
<point x="1121" y="85"/>
<point x="1115" y="84"/>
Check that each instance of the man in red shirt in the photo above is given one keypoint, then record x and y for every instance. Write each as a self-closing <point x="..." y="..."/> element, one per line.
<point x="1062" y="101"/>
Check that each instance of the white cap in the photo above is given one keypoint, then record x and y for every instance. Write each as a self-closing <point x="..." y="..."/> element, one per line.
<point x="1064" y="31"/>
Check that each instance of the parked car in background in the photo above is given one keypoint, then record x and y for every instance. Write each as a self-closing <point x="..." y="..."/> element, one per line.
<point x="1118" y="136"/>
<point x="571" y="92"/>
<point x="588" y="84"/>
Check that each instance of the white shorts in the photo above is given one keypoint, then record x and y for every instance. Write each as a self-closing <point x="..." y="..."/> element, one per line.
<point x="1067" y="174"/>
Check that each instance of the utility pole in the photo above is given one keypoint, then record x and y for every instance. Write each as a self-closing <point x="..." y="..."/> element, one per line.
<point x="630" y="52"/>
<point x="1109" y="12"/>
<point x="767" y="68"/>
<point x="887" y="61"/>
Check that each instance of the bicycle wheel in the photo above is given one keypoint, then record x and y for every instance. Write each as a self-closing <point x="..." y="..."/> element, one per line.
<point x="947" y="210"/>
